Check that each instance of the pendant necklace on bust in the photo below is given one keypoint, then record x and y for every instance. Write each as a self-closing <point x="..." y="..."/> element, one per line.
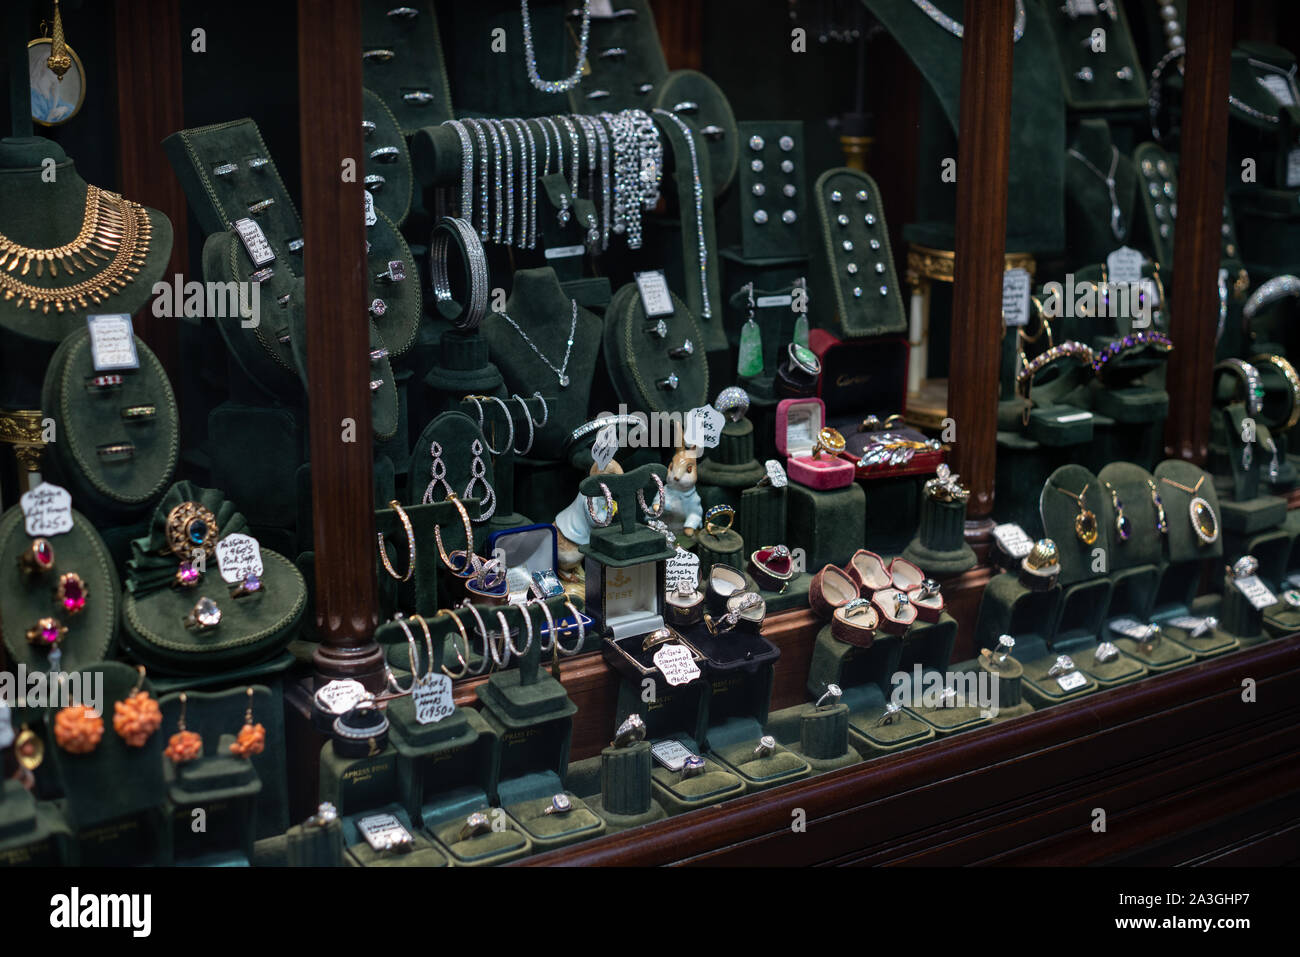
<point x="1116" y="217"/>
<point x="1085" y="523"/>
<point x="1204" y="522"/>
<point x="562" y="372"/>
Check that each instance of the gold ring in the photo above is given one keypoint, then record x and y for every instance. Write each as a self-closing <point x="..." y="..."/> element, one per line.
<point x="711" y="523"/>
<point x="830" y="441"/>
<point x="47" y="634"/>
<point x="657" y="638"/>
<point x="410" y="545"/>
<point x="1042" y="555"/>
<point x="1292" y="380"/>
<point x="477" y="823"/>
<point x="467" y="569"/>
<point x="37" y="558"/>
<point x="191" y="526"/>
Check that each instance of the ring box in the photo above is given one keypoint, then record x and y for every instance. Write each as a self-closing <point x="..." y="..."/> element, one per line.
<point x="797" y="423"/>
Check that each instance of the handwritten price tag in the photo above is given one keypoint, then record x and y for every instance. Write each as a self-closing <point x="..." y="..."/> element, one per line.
<point x="1072" y="681"/>
<point x="47" y="510"/>
<point x="603" y="449"/>
<point x="671" y="754"/>
<point x="682" y="567"/>
<point x="371" y="218"/>
<point x="1124" y="265"/>
<point x="338" y="696"/>
<point x="254" y="240"/>
<point x="1015" y="297"/>
<point x="238" y="557"/>
<point x="1013" y="539"/>
<point x="676" y="664"/>
<point x="112" y="343"/>
<point x="1256" y="592"/>
<point x="655" y="297"/>
<point x="432" y="699"/>
<point x="704" y="427"/>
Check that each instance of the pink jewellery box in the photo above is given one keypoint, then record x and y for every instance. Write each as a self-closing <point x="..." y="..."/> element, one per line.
<point x="797" y="423"/>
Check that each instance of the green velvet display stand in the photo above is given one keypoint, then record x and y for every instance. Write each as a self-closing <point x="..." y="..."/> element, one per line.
<point x="1009" y="678"/>
<point x="725" y="548"/>
<point x="622" y="77"/>
<point x="737" y="713"/>
<point x="1087" y="197"/>
<point x="420" y="594"/>
<point x="831" y="523"/>
<point x="252" y="628"/>
<point x="940" y="543"/>
<point x="422" y="853"/>
<point x="1043" y="690"/>
<point x="927" y="650"/>
<point x="126" y="824"/>
<point x="23" y="601"/>
<point x="853" y="263"/>
<point x="1037" y="109"/>
<point x="1236" y="466"/>
<point x="1268" y="142"/>
<point x="1159" y="171"/>
<point x="463" y="368"/>
<point x="1085" y="583"/>
<point x="85" y="419"/>
<point x="41" y="206"/>
<point x="496" y="431"/>
<point x="417" y="66"/>
<point x="638" y="360"/>
<point x="765" y="185"/>
<point x="307" y="845"/>
<point x="626" y="797"/>
<point x="542" y="308"/>
<point x="1015" y="604"/>
<point x="32" y="833"/>
<point x="1115" y="78"/>
<point x="393" y="194"/>
<point x="774" y="283"/>
<point x="824" y="738"/>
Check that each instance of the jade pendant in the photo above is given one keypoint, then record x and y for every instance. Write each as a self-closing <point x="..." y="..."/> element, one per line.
<point x="801" y="331"/>
<point x="749" y="361"/>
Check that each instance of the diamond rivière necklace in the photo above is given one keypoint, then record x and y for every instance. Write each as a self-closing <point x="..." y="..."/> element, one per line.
<point x="560" y="373"/>
<point x="114" y="234"/>
<point x="530" y="57"/>
<point x="1116" y="217"/>
<point x="957" y="30"/>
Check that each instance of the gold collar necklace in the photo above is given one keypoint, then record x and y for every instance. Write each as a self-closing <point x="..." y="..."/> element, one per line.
<point x="115" y="231"/>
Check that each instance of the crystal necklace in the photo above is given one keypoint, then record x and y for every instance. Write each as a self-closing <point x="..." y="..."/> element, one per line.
<point x="115" y="234"/>
<point x="530" y="57"/>
<point x="1116" y="217"/>
<point x="957" y="30"/>
<point x="561" y="372"/>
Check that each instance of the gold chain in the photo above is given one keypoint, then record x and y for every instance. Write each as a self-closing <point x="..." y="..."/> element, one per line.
<point x="114" y="230"/>
<point x="1189" y="491"/>
<point x="1078" y="498"/>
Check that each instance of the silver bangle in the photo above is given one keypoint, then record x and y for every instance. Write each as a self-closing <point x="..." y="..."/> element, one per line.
<point x="476" y="272"/>
<point x="466" y="169"/>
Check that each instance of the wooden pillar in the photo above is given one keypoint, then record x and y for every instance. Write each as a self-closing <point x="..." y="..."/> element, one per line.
<point x="1194" y="293"/>
<point x="983" y="157"/>
<point x="338" y="339"/>
<point x="150" y="106"/>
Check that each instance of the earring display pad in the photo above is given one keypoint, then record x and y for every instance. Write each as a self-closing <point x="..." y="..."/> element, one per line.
<point x="774" y="238"/>
<point x="622" y="76"/>
<point x="455" y="433"/>
<point x="690" y="86"/>
<point x="1158" y="185"/>
<point x="1145" y="544"/>
<point x="637" y="360"/>
<point x="1107" y="90"/>
<point x="1059" y="512"/>
<point x="417" y="65"/>
<point x="86" y="418"/>
<point x="393" y="197"/>
<point x="23" y="601"/>
<point x="855" y="236"/>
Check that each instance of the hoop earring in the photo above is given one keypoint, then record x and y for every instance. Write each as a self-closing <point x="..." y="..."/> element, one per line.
<point x="505" y="631"/>
<point x="661" y="498"/>
<point x="184" y="745"/>
<point x="610" y="508"/>
<point x="489" y="650"/>
<point x="410" y="545"/>
<point x="582" y="632"/>
<point x="464" y="637"/>
<point x="532" y="433"/>
<point x="466" y="570"/>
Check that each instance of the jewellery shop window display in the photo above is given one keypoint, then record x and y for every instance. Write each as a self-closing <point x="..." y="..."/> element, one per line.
<point x="647" y="465"/>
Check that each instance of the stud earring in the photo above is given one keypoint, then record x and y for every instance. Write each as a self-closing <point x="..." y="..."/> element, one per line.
<point x="252" y="737"/>
<point x="184" y="745"/>
<point x="138" y="717"/>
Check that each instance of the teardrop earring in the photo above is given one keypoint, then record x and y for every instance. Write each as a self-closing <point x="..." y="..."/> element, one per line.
<point x="477" y="474"/>
<point x="800" y="306"/>
<point x="252" y="737"/>
<point x="138" y="717"/>
<point x="749" y="361"/>
<point x="184" y="745"/>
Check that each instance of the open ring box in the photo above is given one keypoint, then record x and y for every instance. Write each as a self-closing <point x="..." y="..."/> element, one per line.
<point x="908" y="577"/>
<point x="797" y="423"/>
<point x="530" y="553"/>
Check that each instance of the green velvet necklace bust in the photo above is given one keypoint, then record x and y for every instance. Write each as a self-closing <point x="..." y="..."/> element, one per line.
<point x="531" y="352"/>
<point x="1100" y="215"/>
<point x="43" y="207"/>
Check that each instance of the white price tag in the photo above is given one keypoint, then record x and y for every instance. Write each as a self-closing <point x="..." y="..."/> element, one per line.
<point x="1082" y="8"/>
<point x="1015" y="297"/>
<point x="603" y="449"/>
<point x="1124" y="265"/>
<point x="1013" y="539"/>
<point x="47" y="510"/>
<point x="1129" y="628"/>
<point x="1075" y="417"/>
<point x="564" y="252"/>
<point x="1256" y="592"/>
<point x="1073" y="681"/>
<point x="239" y="556"/>
<point x="1293" y="168"/>
<point x="601" y="9"/>
<point x="676" y="664"/>
<point x="371" y="218"/>
<point x="383" y="831"/>
<point x="255" y="243"/>
<point x="1279" y="87"/>
<point x="776" y="473"/>
<point x="767" y="302"/>
<point x="671" y="754"/>
<point x="654" y="293"/>
<point x="112" y="343"/>
<point x="684" y="566"/>
<point x="703" y="427"/>
<point x="432" y="698"/>
<point x="1186" y="622"/>
<point x="338" y="696"/>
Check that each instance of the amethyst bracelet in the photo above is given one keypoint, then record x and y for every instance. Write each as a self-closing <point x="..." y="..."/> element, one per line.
<point x="1138" y="340"/>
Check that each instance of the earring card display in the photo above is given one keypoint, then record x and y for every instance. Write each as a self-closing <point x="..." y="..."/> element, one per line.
<point x="771" y="187"/>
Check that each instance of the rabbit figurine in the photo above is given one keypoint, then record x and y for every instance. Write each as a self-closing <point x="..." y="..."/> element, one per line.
<point x="682" y="510"/>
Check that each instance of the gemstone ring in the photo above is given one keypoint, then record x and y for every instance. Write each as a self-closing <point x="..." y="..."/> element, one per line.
<point x="71" y="593"/>
<point x="190" y="526"/>
<point x="560" y="804"/>
<point x="766" y="745"/>
<point x="204" y="616"/>
<point x="252" y="584"/>
<point x="37" y="558"/>
<point x="47" y="634"/>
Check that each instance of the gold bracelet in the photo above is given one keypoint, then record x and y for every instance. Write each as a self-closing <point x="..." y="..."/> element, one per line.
<point x="1292" y="380"/>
